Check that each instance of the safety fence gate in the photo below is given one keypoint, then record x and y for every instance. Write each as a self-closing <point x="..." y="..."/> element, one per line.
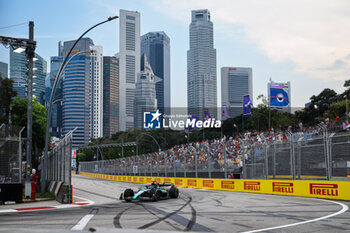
<point x="11" y="163"/>
<point x="59" y="166"/>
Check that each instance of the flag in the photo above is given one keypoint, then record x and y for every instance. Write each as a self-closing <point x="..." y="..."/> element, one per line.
<point x="278" y="97"/>
<point x="247" y="106"/>
<point x="224" y="115"/>
<point x="206" y="115"/>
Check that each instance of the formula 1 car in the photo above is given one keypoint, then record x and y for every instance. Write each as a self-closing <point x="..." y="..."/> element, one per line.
<point x="153" y="192"/>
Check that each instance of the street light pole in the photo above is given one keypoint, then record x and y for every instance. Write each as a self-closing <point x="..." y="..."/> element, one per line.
<point x="43" y="180"/>
<point x="346" y="106"/>
<point x="30" y="56"/>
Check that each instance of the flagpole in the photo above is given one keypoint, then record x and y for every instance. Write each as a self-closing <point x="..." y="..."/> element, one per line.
<point x="242" y="116"/>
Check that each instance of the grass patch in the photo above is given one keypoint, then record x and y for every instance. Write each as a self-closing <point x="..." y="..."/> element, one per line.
<point x="46" y="195"/>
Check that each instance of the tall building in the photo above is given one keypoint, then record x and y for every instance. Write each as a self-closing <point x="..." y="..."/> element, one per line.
<point x="156" y="46"/>
<point x="96" y="85"/>
<point x="82" y="92"/>
<point x="4" y="69"/>
<point x="19" y="85"/>
<point x="145" y="93"/>
<point x="235" y="83"/>
<point x="201" y="66"/>
<point x="56" y="112"/>
<point x="110" y="95"/>
<point x="18" y="68"/>
<point x="129" y="65"/>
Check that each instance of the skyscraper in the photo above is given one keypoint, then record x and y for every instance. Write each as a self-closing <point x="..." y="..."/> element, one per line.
<point x="3" y="69"/>
<point x="56" y="117"/>
<point x="82" y="92"/>
<point x="156" y="46"/>
<point x="110" y="95"/>
<point x="96" y="88"/>
<point x="201" y="66"/>
<point x="145" y="93"/>
<point x="235" y="83"/>
<point x="18" y="68"/>
<point x="129" y="65"/>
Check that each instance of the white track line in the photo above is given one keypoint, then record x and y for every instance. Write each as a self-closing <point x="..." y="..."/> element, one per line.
<point x="83" y="222"/>
<point x="344" y="209"/>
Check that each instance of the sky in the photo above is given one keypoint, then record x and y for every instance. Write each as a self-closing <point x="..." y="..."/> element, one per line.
<point x="305" y="42"/>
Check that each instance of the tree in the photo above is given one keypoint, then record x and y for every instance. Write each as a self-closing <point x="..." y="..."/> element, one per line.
<point x="19" y="117"/>
<point x="6" y="95"/>
<point x="347" y="83"/>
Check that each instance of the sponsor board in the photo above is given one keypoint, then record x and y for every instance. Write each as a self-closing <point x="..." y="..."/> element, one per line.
<point x="282" y="187"/>
<point x="227" y="184"/>
<point x="167" y="180"/>
<point x="192" y="182"/>
<point x="330" y="190"/>
<point x="178" y="182"/>
<point x="252" y="185"/>
<point x="208" y="183"/>
<point x="305" y="188"/>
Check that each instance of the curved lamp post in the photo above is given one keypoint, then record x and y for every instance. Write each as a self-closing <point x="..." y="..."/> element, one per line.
<point x="43" y="175"/>
<point x="159" y="149"/>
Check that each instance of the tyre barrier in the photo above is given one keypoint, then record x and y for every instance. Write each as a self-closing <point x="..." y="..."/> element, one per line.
<point x="304" y="188"/>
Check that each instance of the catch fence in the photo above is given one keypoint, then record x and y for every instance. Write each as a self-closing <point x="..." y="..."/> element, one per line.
<point x="324" y="157"/>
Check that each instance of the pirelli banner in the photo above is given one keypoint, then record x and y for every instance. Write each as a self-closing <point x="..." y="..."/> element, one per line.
<point x="304" y="188"/>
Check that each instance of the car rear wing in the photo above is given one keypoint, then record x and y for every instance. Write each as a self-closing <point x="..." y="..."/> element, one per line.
<point x="165" y="184"/>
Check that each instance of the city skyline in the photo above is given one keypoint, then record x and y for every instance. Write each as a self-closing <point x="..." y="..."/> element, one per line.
<point x="234" y="38"/>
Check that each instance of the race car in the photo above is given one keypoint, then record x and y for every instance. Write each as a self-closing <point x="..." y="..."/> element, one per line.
<point x="153" y="192"/>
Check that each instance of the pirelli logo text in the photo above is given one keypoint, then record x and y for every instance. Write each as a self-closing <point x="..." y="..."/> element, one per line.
<point x="141" y="179"/>
<point x="208" y="184"/>
<point x="324" y="189"/>
<point x="178" y="182"/>
<point x="282" y="187"/>
<point x="227" y="184"/>
<point x="149" y="180"/>
<point x="191" y="182"/>
<point x="167" y="180"/>
<point x="134" y="179"/>
<point x="129" y="178"/>
<point x="124" y="178"/>
<point x="157" y="180"/>
<point x="252" y="185"/>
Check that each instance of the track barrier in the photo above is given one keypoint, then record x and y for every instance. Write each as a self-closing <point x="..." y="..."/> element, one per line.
<point x="304" y="188"/>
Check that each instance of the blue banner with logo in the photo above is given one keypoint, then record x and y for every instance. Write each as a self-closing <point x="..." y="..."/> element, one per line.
<point x="278" y="97"/>
<point x="224" y="115"/>
<point x="247" y="106"/>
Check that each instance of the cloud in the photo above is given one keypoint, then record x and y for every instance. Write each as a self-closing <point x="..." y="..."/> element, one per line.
<point x="313" y="35"/>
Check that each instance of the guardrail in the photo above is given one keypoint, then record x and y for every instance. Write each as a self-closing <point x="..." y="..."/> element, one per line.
<point x="304" y="188"/>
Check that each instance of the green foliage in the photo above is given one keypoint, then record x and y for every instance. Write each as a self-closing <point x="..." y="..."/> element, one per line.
<point x="6" y="95"/>
<point x="19" y="117"/>
<point x="338" y="109"/>
<point x="347" y="83"/>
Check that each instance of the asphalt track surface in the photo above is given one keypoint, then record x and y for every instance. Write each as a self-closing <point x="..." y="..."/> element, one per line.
<point x="194" y="210"/>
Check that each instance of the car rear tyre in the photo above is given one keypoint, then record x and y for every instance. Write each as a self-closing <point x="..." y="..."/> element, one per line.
<point x="128" y="193"/>
<point x="173" y="192"/>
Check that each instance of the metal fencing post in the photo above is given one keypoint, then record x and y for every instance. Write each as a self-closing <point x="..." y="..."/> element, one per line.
<point x="266" y="161"/>
<point x="184" y="154"/>
<point x="274" y="160"/>
<point x="225" y="163"/>
<point x="196" y="164"/>
<point x="151" y="158"/>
